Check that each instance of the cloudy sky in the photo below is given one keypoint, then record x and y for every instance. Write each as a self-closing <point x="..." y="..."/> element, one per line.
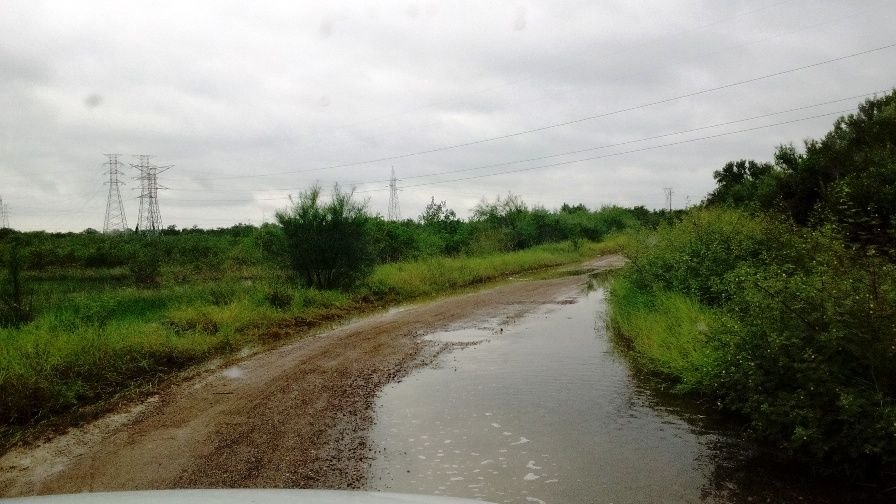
<point x="253" y="101"/>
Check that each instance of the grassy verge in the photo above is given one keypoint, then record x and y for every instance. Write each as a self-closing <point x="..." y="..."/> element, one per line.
<point x="665" y="332"/>
<point x="87" y="346"/>
<point x="787" y="328"/>
<point x="427" y="277"/>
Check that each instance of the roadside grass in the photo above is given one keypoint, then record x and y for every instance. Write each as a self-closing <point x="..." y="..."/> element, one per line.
<point x="665" y="332"/>
<point x="427" y="277"/>
<point x="92" y="341"/>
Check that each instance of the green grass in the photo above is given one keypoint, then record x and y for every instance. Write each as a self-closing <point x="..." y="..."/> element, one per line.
<point x="666" y="332"/>
<point x="95" y="340"/>
<point x="435" y="275"/>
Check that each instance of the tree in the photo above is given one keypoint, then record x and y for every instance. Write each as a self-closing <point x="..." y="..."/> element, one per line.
<point x="847" y="178"/>
<point x="743" y="183"/>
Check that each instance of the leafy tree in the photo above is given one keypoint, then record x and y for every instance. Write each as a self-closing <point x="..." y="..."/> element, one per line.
<point x="846" y="178"/>
<point x="744" y="183"/>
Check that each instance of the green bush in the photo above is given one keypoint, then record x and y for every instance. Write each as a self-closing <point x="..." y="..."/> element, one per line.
<point x="809" y="355"/>
<point x="328" y="243"/>
<point x="796" y="330"/>
<point x="16" y="302"/>
<point x="145" y="265"/>
<point x="694" y="256"/>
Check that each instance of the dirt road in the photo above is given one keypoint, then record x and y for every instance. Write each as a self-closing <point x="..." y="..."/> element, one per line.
<point x="296" y="416"/>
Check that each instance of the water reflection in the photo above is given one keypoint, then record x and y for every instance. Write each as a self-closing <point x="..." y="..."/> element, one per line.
<point x="543" y="409"/>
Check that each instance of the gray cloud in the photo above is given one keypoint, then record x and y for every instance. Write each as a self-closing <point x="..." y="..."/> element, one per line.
<point x="235" y="96"/>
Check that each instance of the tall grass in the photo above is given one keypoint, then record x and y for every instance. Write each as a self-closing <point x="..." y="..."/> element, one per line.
<point x="666" y="332"/>
<point x="97" y="339"/>
<point x="439" y="274"/>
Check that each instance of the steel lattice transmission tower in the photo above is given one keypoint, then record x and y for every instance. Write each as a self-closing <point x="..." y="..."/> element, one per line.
<point x="394" y="212"/>
<point x="149" y="219"/>
<point x="668" y="191"/>
<point x="4" y="214"/>
<point x="116" y="220"/>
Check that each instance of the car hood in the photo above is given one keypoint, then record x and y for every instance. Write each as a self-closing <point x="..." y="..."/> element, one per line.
<point x="242" y="496"/>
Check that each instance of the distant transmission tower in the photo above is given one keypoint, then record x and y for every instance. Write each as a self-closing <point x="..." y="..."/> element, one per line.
<point x="394" y="213"/>
<point x="116" y="220"/>
<point x="668" y="191"/>
<point x="4" y="214"/>
<point x="149" y="219"/>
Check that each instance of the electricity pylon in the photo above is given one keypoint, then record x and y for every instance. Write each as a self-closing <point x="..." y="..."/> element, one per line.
<point x="116" y="221"/>
<point x="394" y="212"/>
<point x="149" y="220"/>
<point x="4" y="214"/>
<point x="668" y="191"/>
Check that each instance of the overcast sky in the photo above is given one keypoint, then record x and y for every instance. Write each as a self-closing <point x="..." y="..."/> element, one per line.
<point x="253" y="101"/>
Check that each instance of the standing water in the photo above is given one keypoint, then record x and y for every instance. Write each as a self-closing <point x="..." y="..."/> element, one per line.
<point x="542" y="410"/>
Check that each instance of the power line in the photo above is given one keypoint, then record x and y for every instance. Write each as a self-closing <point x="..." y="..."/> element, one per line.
<point x="579" y="120"/>
<point x="628" y="142"/>
<point x="587" y="149"/>
<point x="562" y="163"/>
<point x="653" y="147"/>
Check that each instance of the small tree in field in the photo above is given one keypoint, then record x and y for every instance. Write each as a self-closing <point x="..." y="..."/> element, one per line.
<point x="15" y="302"/>
<point x="328" y="244"/>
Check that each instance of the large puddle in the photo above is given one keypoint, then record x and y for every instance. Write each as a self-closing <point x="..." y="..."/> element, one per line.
<point x="542" y="409"/>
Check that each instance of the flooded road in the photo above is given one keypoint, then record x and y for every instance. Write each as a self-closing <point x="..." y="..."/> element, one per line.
<point x="539" y="408"/>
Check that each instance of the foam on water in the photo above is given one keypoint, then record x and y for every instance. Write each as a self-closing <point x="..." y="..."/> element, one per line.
<point x="552" y="375"/>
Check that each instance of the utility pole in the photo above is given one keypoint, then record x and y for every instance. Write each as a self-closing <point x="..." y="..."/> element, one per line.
<point x="149" y="219"/>
<point x="116" y="221"/>
<point x="394" y="212"/>
<point x="668" y="191"/>
<point x="4" y="214"/>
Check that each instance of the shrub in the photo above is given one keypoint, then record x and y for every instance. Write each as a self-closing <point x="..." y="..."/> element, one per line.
<point x="809" y="355"/>
<point x="279" y="298"/>
<point x="328" y="244"/>
<point x="146" y="266"/>
<point x="799" y="330"/>
<point x="16" y="303"/>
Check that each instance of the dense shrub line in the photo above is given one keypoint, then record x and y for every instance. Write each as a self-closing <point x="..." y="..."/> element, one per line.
<point x="779" y="300"/>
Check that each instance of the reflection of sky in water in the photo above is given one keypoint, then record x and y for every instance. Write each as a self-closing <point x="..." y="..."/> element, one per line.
<point x="540" y="411"/>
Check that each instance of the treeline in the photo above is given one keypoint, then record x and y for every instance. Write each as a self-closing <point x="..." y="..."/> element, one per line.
<point x="320" y="241"/>
<point x="337" y="226"/>
<point x="847" y="179"/>
<point x="335" y="242"/>
<point x="777" y="299"/>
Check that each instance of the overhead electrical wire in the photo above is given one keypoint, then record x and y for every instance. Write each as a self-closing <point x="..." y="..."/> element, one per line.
<point x="614" y="154"/>
<point x="588" y="149"/>
<point x="575" y="121"/>
<point x="561" y="163"/>
<point x="627" y="142"/>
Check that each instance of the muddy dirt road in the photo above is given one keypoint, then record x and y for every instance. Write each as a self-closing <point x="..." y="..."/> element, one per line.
<point x="297" y="416"/>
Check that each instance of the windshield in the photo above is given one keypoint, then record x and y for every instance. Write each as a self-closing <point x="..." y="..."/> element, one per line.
<point x="510" y="251"/>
